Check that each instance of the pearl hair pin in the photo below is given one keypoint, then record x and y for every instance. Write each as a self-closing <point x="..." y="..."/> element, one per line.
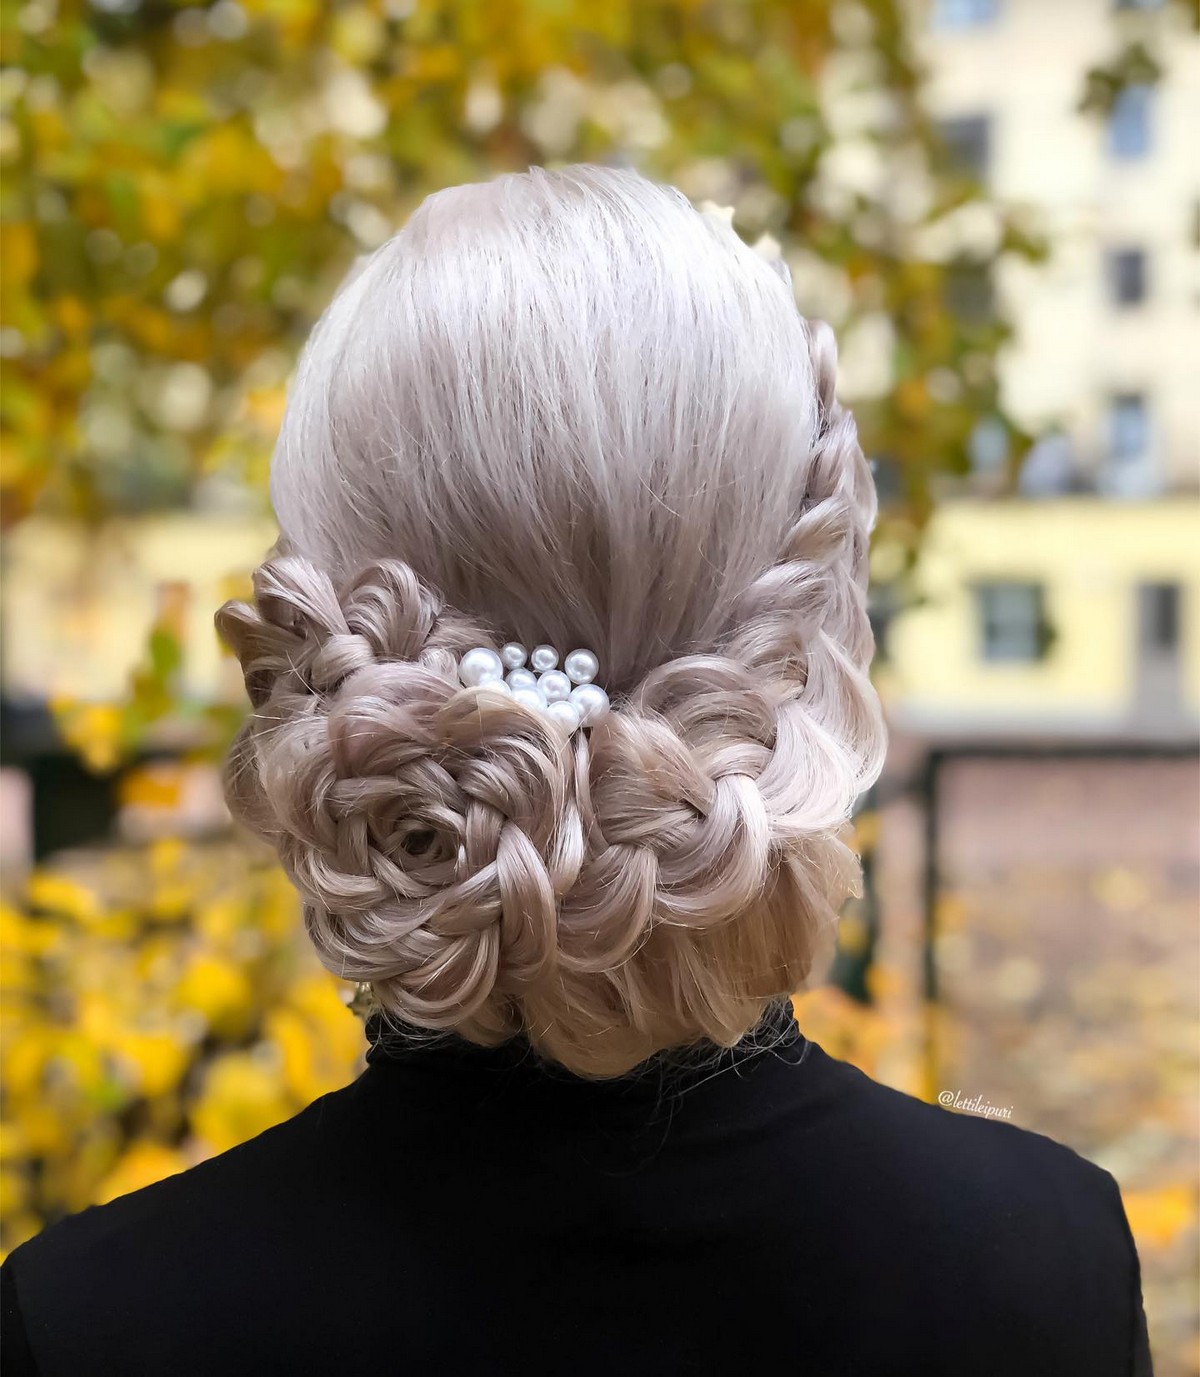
<point x="567" y="695"/>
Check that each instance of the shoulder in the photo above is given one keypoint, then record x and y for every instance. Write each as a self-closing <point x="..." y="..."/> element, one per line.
<point x="149" y="1262"/>
<point x="1003" y="1171"/>
<point x="1003" y="1219"/>
<point x="955" y="1144"/>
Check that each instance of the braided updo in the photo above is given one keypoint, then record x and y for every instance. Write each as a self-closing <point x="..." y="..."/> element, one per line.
<point x="564" y="407"/>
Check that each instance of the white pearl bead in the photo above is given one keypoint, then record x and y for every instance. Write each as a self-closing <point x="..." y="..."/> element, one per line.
<point x="522" y="679"/>
<point x="555" y="685"/>
<point x="480" y="666"/>
<point x="592" y="702"/>
<point x="565" y="713"/>
<point x="544" y="657"/>
<point x="582" y="666"/>
<point x="513" y="654"/>
<point x="528" y="698"/>
<point x="497" y="684"/>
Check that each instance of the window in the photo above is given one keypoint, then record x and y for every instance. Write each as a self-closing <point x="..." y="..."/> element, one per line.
<point x="1160" y="616"/>
<point x="968" y="293"/>
<point x="1012" y="624"/>
<point x="987" y="445"/>
<point x="1127" y="276"/>
<point x="968" y="142"/>
<point x="1129" y="123"/>
<point x="963" y="14"/>
<point x="1048" y="469"/>
<point x="1129" y="427"/>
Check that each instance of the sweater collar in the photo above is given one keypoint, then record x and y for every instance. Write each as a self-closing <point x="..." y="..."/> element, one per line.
<point x="449" y="1057"/>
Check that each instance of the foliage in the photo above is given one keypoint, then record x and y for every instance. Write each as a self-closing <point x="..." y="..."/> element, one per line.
<point x="184" y="184"/>
<point x="1135" y="65"/>
<point x="159" y="1005"/>
<point x="1139" y="60"/>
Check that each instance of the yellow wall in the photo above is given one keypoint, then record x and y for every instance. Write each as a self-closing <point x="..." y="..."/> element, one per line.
<point x="77" y="607"/>
<point x="1090" y="554"/>
<point x="77" y="611"/>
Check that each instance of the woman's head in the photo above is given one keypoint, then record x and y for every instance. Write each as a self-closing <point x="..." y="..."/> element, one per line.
<point x="564" y="407"/>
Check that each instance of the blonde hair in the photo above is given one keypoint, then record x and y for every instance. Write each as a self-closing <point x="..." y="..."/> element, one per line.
<point x="564" y="407"/>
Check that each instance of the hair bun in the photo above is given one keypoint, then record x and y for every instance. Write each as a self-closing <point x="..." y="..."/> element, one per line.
<point x="653" y="880"/>
<point x="616" y="432"/>
<point x="427" y="826"/>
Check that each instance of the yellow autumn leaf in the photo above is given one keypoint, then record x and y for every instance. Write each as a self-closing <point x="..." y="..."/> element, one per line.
<point x="157" y="1060"/>
<point x="141" y="1165"/>
<point x="318" y="1038"/>
<point x="18" y="932"/>
<point x="853" y="935"/>
<point x="73" y="316"/>
<point x="240" y="1099"/>
<point x="57" y="893"/>
<point x="24" y="1060"/>
<point x="157" y="788"/>
<point x="166" y="856"/>
<point x="14" y="1192"/>
<point x="1157" y="1216"/>
<point x="220" y="991"/>
<point x="18" y="247"/>
<point x="93" y="730"/>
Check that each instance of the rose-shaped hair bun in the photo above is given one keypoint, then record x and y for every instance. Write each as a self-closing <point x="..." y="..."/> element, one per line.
<point x="428" y="825"/>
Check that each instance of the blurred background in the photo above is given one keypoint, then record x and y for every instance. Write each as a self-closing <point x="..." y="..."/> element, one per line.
<point x="996" y="203"/>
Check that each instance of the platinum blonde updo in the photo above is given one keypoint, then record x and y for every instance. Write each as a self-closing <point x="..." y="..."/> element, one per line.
<point x="564" y="407"/>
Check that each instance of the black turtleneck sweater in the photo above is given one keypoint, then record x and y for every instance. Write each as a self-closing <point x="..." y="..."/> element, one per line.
<point x="459" y="1211"/>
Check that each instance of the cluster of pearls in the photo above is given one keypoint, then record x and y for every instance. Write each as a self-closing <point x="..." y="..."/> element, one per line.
<point x="567" y="695"/>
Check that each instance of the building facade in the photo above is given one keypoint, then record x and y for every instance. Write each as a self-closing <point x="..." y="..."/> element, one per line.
<point x="1073" y="606"/>
<point x="1108" y="328"/>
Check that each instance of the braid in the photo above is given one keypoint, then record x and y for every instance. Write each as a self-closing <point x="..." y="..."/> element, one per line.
<point x="426" y="826"/>
<point x="719" y="790"/>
